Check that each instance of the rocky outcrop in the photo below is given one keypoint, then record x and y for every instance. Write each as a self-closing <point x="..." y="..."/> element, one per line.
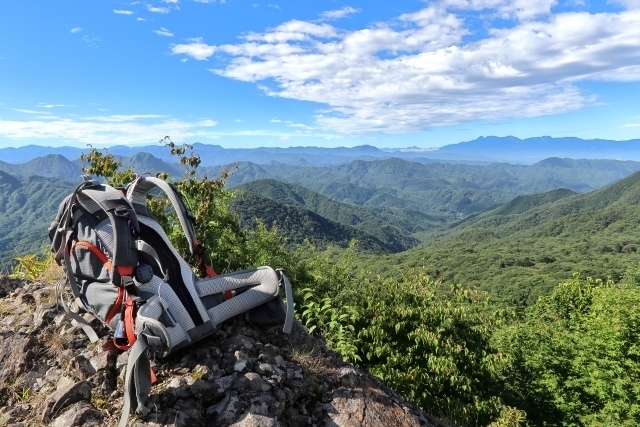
<point x="241" y="377"/>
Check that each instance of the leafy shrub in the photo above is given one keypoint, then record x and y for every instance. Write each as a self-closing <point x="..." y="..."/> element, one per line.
<point x="576" y="356"/>
<point x="335" y="323"/>
<point x="31" y="267"/>
<point x="434" y="347"/>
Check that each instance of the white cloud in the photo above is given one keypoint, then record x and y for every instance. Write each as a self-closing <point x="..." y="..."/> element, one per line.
<point x="629" y="4"/>
<point x="238" y="120"/>
<point x="520" y="9"/>
<point x="157" y="9"/>
<point x="206" y="1"/>
<point x="75" y="30"/>
<point x="140" y="19"/>
<point x="163" y="32"/>
<point x="274" y="6"/>
<point x="123" y="12"/>
<point x="125" y="129"/>
<point x="20" y="110"/>
<point x="171" y="1"/>
<point x="43" y="105"/>
<point x="196" y="49"/>
<point x="419" y="71"/>
<point x="91" y="41"/>
<point x="339" y="13"/>
<point x="275" y="120"/>
<point x="631" y="125"/>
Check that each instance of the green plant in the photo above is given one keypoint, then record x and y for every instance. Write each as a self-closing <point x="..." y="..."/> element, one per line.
<point x="23" y="394"/>
<point x="334" y="323"/>
<point x="30" y="267"/>
<point x="434" y="345"/>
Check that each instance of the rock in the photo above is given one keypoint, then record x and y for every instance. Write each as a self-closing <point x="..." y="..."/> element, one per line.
<point x="239" y="377"/>
<point x="252" y="420"/>
<point x="64" y="397"/>
<point x="81" y="368"/>
<point x="79" y="415"/>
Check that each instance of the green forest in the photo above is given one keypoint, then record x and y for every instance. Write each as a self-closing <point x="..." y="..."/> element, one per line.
<point x="485" y="303"/>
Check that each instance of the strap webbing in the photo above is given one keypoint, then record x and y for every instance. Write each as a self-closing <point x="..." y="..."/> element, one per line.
<point x="137" y="195"/>
<point x="137" y="383"/>
<point x="148" y="249"/>
<point x="288" y="323"/>
<point x="93" y="337"/>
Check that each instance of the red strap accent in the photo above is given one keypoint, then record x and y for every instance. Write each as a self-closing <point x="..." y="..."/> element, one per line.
<point x="116" y="306"/>
<point x="124" y="270"/>
<point x="200" y="260"/>
<point x="128" y="327"/>
<point x="228" y="294"/>
<point x="210" y="272"/>
<point x="97" y="252"/>
<point x="154" y="379"/>
<point x="128" y="321"/>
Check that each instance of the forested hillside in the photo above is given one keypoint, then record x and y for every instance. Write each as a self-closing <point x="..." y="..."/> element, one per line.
<point x="521" y="250"/>
<point x="447" y="191"/>
<point x="27" y="207"/>
<point x="299" y="225"/>
<point x="388" y="224"/>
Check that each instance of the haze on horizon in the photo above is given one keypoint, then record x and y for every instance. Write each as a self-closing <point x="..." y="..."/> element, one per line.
<point x="328" y="74"/>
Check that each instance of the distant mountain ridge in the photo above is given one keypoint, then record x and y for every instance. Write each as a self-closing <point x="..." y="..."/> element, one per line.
<point x="481" y="150"/>
<point x="531" y="150"/>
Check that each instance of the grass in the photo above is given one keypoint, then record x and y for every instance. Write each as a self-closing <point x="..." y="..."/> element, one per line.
<point x="310" y="359"/>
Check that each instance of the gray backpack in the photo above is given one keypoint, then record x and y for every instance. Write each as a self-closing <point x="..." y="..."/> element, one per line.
<point x="122" y="269"/>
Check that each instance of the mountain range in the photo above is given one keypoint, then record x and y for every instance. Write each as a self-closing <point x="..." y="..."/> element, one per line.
<point x="479" y="151"/>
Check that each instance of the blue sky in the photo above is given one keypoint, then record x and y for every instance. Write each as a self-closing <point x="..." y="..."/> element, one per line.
<point x="323" y="73"/>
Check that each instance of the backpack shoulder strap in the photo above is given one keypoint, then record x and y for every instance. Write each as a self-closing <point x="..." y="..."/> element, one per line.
<point x="137" y="195"/>
<point x="124" y="223"/>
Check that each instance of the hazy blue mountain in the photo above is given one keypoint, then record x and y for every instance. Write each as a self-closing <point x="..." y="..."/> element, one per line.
<point x="530" y="150"/>
<point x="478" y="151"/>
<point x="50" y="165"/>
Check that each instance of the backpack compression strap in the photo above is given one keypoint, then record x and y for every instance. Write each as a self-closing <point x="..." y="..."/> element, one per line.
<point x="137" y="195"/>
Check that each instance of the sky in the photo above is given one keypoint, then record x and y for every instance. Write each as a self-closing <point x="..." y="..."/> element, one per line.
<point x="244" y="74"/>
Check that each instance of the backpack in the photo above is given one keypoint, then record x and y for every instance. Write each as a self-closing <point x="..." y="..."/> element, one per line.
<point x="122" y="268"/>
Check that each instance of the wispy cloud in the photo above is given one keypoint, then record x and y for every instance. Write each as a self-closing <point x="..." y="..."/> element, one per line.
<point x="274" y="6"/>
<point x="132" y="129"/>
<point x="75" y="30"/>
<point x="171" y="1"/>
<point x="163" y="32"/>
<point x="140" y="19"/>
<point x="123" y="12"/>
<point x="157" y="9"/>
<point x="43" y="105"/>
<point x="338" y="13"/>
<point x="275" y="120"/>
<point x="206" y="1"/>
<point x="195" y="49"/>
<point x="20" y="110"/>
<point x="631" y="125"/>
<point x="91" y="41"/>
<point x="126" y="129"/>
<point x="419" y="71"/>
